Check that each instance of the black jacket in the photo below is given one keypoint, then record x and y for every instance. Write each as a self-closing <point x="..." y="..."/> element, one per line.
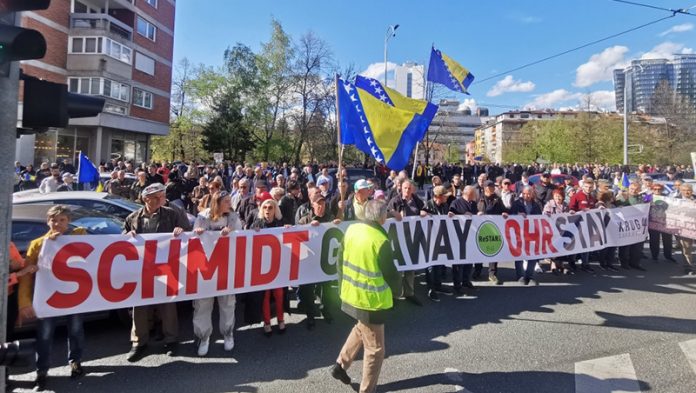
<point x="168" y="220"/>
<point x="518" y="207"/>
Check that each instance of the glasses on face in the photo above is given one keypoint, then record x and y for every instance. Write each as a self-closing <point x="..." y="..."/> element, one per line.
<point x="267" y="207"/>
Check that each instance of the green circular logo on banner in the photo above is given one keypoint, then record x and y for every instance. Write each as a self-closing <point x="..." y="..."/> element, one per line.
<point x="488" y="239"/>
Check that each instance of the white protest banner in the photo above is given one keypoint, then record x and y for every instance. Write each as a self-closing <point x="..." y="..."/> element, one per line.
<point x="100" y="272"/>
<point x="673" y="215"/>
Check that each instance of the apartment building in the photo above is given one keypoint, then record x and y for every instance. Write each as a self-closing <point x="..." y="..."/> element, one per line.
<point x="120" y="50"/>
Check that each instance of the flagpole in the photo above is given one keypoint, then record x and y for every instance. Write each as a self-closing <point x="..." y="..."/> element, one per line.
<point x="338" y="141"/>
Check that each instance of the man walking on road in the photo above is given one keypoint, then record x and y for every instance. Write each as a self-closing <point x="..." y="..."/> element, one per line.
<point x="368" y="282"/>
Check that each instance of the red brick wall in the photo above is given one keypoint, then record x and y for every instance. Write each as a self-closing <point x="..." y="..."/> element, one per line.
<point x="44" y="74"/>
<point x="58" y="11"/>
<point x="164" y="13"/>
<point x="159" y="111"/>
<point x="161" y="80"/>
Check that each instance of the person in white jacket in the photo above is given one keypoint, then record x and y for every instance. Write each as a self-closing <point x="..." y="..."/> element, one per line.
<point x="218" y="217"/>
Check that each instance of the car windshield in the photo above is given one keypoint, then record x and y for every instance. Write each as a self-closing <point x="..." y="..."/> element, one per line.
<point x="99" y="225"/>
<point x="125" y="203"/>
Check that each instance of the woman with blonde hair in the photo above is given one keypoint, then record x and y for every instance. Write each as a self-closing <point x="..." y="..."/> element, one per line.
<point x="269" y="216"/>
<point x="219" y="217"/>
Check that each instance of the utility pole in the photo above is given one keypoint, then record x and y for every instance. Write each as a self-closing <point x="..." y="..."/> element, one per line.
<point x="9" y="87"/>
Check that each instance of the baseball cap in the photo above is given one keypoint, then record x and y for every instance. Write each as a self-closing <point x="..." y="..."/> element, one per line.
<point x="441" y="190"/>
<point x="153" y="189"/>
<point x="361" y="185"/>
<point x="489" y="183"/>
<point x="322" y="180"/>
<point x="264" y="196"/>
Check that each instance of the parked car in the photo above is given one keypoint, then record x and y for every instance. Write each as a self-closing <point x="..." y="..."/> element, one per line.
<point x="556" y="179"/>
<point x="29" y="223"/>
<point x="100" y="201"/>
<point x="105" y="176"/>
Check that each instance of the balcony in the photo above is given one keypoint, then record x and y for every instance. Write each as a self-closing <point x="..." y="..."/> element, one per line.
<point x="98" y="24"/>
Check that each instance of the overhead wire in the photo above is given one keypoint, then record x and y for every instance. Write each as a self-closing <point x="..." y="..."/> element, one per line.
<point x="547" y="58"/>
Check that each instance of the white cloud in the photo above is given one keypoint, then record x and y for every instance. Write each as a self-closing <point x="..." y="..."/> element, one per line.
<point x="666" y="50"/>
<point x="548" y="100"/>
<point x="376" y="71"/>
<point x="678" y="29"/>
<point x="468" y="103"/>
<point x="508" y="84"/>
<point x="603" y="100"/>
<point x="600" y="66"/>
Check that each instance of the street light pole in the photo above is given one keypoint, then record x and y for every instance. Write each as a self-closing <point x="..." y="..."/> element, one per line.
<point x="391" y="32"/>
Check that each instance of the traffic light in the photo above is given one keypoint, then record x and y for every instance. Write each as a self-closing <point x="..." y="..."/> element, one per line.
<point x="48" y="104"/>
<point x="17" y="43"/>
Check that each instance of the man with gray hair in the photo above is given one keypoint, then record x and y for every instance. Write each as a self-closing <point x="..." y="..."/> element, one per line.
<point x="461" y="274"/>
<point x="368" y="281"/>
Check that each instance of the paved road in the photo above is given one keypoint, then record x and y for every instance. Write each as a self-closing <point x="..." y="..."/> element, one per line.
<point x="626" y="332"/>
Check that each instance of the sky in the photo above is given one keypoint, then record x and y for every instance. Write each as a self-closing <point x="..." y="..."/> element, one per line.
<point x="487" y="37"/>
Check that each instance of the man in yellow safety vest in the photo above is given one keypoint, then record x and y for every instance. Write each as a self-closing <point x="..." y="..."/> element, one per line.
<point x="368" y="281"/>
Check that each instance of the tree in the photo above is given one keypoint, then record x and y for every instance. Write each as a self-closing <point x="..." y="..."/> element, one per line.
<point x="677" y="135"/>
<point x="227" y="131"/>
<point x="310" y="86"/>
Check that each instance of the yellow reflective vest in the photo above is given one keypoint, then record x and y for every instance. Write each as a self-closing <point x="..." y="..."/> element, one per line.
<point x="362" y="283"/>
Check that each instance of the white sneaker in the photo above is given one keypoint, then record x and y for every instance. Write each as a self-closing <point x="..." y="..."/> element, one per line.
<point x="203" y="347"/>
<point x="229" y="343"/>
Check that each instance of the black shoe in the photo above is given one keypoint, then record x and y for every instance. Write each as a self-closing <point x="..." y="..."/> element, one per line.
<point x="432" y="295"/>
<point x="413" y="299"/>
<point x="443" y="290"/>
<point x="282" y="329"/>
<point x="339" y="373"/>
<point x="310" y="323"/>
<point x="458" y="291"/>
<point x="76" y="370"/>
<point x="468" y="284"/>
<point x="612" y="268"/>
<point x="41" y="380"/>
<point x="136" y="353"/>
<point x="476" y="276"/>
<point x="171" y="349"/>
<point x="267" y="330"/>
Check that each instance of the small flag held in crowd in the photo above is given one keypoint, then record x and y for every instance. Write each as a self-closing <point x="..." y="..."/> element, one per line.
<point x="86" y="171"/>
<point x="444" y="70"/>
<point x="624" y="181"/>
<point x="380" y="128"/>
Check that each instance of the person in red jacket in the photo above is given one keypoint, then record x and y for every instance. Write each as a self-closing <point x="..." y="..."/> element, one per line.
<point x="583" y="200"/>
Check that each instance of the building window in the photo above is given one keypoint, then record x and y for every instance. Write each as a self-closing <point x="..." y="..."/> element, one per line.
<point x="100" y="45"/>
<point x="99" y="86"/>
<point x="144" y="63"/>
<point x="152" y="2"/>
<point x="142" y="98"/>
<point x="117" y="51"/>
<point x="85" y="45"/>
<point x="146" y="29"/>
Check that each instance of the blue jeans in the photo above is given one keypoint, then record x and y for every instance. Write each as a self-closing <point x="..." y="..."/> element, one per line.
<point x="529" y="273"/>
<point x="44" y="340"/>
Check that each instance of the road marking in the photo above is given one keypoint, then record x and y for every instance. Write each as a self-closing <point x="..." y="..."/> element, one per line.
<point x="689" y="349"/>
<point x="455" y="376"/>
<point x="610" y="374"/>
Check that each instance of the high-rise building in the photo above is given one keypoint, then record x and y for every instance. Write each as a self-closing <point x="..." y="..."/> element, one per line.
<point x="451" y="130"/>
<point x="120" y="50"/>
<point x="642" y="77"/>
<point x="410" y="80"/>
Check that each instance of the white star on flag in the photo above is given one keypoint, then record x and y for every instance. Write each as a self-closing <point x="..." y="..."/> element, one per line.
<point x="383" y="97"/>
<point x="373" y="82"/>
<point x="353" y="98"/>
<point x="362" y="119"/>
<point x="378" y="90"/>
<point x="369" y="140"/>
<point x="374" y="151"/>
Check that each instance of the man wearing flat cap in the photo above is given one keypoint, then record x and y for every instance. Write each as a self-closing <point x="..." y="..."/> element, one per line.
<point x="154" y="217"/>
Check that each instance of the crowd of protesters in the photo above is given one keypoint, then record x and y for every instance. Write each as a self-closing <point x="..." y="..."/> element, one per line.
<point x="227" y="197"/>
